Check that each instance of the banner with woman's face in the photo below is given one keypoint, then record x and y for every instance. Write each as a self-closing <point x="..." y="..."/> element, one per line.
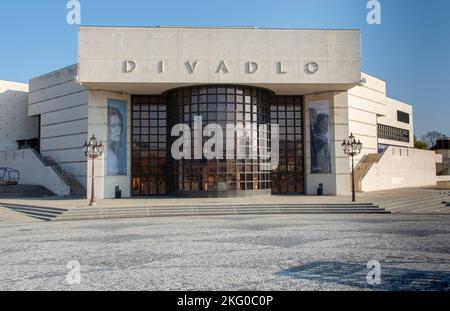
<point x="319" y="113"/>
<point x="117" y="138"/>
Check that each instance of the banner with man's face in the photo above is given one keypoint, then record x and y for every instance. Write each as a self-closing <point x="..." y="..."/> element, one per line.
<point x="319" y="113"/>
<point x="117" y="138"/>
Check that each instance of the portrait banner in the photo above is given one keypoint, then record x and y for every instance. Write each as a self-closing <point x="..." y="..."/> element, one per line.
<point x="117" y="138"/>
<point x="319" y="113"/>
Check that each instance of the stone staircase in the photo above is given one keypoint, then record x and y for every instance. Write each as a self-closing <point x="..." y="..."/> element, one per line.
<point x="217" y="210"/>
<point x="24" y="191"/>
<point x="411" y="201"/>
<point x="36" y="212"/>
<point x="363" y="168"/>
<point x="77" y="190"/>
<point x="95" y="213"/>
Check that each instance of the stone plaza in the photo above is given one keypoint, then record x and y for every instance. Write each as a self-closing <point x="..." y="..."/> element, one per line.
<point x="276" y="252"/>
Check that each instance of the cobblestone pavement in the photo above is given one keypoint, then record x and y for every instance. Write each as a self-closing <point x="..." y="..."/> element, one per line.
<point x="314" y="252"/>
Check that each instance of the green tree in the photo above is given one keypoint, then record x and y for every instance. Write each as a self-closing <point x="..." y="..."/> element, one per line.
<point x="420" y="144"/>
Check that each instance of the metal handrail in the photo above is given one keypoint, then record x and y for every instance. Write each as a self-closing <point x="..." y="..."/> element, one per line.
<point x="60" y="173"/>
<point x="7" y="172"/>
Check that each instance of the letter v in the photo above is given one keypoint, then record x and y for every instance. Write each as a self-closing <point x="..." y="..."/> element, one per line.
<point x="191" y="66"/>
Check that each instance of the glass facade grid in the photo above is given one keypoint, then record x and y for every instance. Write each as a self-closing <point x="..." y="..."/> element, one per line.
<point x="149" y="141"/>
<point x="393" y="133"/>
<point x="223" y="106"/>
<point x="155" y="172"/>
<point x="287" y="111"/>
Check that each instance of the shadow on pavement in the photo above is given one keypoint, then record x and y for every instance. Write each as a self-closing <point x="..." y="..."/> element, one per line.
<point x="350" y="274"/>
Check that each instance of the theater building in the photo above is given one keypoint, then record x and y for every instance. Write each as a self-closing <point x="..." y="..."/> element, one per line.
<point x="133" y="85"/>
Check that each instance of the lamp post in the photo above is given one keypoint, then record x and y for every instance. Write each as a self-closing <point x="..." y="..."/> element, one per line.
<point x="93" y="150"/>
<point x="352" y="148"/>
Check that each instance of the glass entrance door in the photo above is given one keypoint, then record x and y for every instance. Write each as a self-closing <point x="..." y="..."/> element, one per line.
<point x="149" y="151"/>
<point x="287" y="112"/>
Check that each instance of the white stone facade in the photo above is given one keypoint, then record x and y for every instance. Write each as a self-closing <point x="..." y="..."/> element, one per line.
<point x="118" y="62"/>
<point x="15" y="124"/>
<point x="62" y="104"/>
<point x="163" y="58"/>
<point x="369" y="106"/>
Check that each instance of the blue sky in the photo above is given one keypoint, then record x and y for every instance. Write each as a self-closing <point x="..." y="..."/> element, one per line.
<point x="410" y="49"/>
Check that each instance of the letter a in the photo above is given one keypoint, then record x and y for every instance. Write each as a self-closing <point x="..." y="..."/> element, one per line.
<point x="374" y="15"/>
<point x="74" y="14"/>
<point x="222" y="68"/>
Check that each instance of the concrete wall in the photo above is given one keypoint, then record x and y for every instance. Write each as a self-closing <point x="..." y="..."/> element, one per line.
<point x="338" y="182"/>
<point x="15" y="124"/>
<point x="63" y="105"/>
<point x="33" y="171"/>
<point x="402" y="168"/>
<point x="444" y="167"/>
<point x="98" y="125"/>
<point x="443" y="182"/>
<point x="390" y="119"/>
<point x="365" y="103"/>
<point x="104" y="51"/>
<point x="368" y="107"/>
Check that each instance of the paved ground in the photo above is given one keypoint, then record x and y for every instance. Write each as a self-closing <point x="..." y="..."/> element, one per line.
<point x="316" y="252"/>
<point x="7" y="216"/>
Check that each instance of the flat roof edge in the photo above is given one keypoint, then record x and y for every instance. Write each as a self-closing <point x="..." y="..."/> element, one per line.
<point x="48" y="74"/>
<point x="220" y="27"/>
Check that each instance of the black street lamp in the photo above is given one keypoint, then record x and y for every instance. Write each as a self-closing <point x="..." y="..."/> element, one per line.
<point x="93" y="150"/>
<point x="352" y="148"/>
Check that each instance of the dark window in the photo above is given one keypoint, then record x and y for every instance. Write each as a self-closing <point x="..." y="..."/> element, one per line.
<point x="29" y="143"/>
<point x="393" y="133"/>
<point x="402" y="116"/>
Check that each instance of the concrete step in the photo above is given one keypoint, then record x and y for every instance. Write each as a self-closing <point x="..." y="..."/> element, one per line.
<point x="405" y="197"/>
<point x="215" y="208"/>
<point x="25" y="191"/>
<point x="41" y="213"/>
<point x="418" y="201"/>
<point x="70" y="217"/>
<point x="218" y="210"/>
<point x="231" y="206"/>
<point x="79" y="212"/>
<point x="420" y="209"/>
<point x="411" y="202"/>
<point x="52" y="209"/>
<point x="423" y="204"/>
<point x="90" y="213"/>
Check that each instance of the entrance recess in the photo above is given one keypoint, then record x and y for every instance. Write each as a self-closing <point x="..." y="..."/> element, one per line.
<point x="155" y="173"/>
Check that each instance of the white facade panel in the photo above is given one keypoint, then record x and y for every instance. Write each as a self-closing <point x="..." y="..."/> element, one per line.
<point x="65" y="115"/>
<point x="63" y="142"/>
<point x="65" y="128"/>
<point x="63" y="105"/>
<point x="14" y="121"/>
<point x="59" y="103"/>
<point x="192" y="55"/>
